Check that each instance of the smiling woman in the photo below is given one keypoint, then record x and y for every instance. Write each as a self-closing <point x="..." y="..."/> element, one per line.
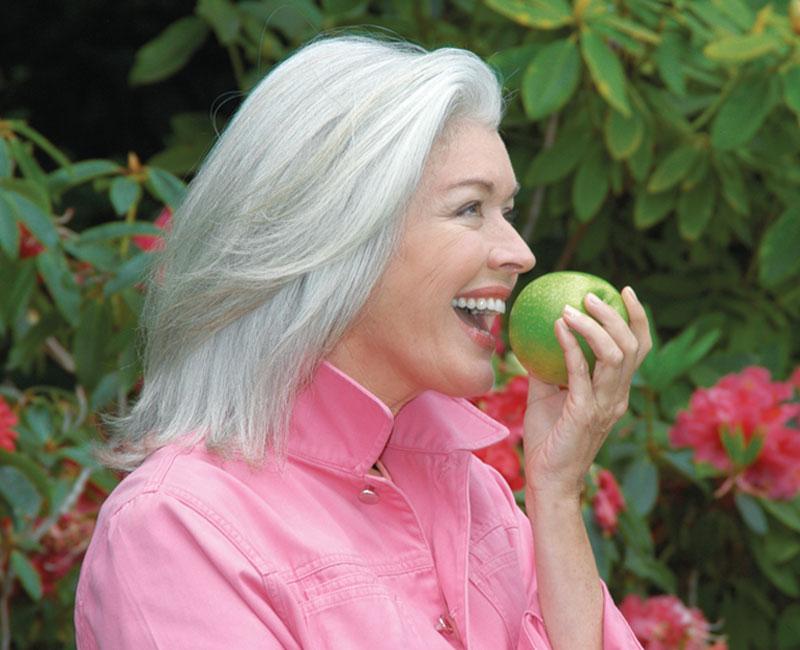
<point x="302" y="474"/>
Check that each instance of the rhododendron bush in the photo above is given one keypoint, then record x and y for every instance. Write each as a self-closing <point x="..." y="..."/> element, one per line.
<point x="69" y="303"/>
<point x="656" y="145"/>
<point x="693" y="518"/>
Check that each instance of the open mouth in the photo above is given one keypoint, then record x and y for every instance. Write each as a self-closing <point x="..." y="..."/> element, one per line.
<point x="479" y="313"/>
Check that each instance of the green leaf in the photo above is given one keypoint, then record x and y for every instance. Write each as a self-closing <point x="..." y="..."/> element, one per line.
<point x="25" y="161"/>
<point x="639" y="161"/>
<point x="736" y="10"/>
<point x="169" y="51"/>
<point x="28" y="575"/>
<point x="672" y="168"/>
<point x="560" y="159"/>
<point x="640" y="485"/>
<point x="606" y="71"/>
<point x="541" y="14"/>
<point x="741" y="47"/>
<point x="733" y="187"/>
<point x="551" y="78"/>
<point x="790" y="80"/>
<point x="222" y="16"/>
<point x="668" y="60"/>
<point x="166" y="187"/>
<point x="742" y="114"/>
<point x="649" y="209"/>
<point x="116" y="230"/>
<point x="65" y="178"/>
<point x="778" y="254"/>
<point x="751" y="513"/>
<point x="20" y="494"/>
<point x="40" y="225"/>
<point x="695" y="207"/>
<point x="32" y="471"/>
<point x="88" y="347"/>
<point x="124" y="192"/>
<point x="784" y="580"/>
<point x="787" y="512"/>
<point x="623" y="134"/>
<point x="130" y="273"/>
<point x="591" y="184"/>
<point x="61" y="283"/>
<point x="298" y="20"/>
<point x="6" y="162"/>
<point x="629" y="27"/>
<point x="788" y="630"/>
<point x="512" y="62"/>
<point x="650" y="569"/>
<point x="675" y="358"/>
<point x="634" y="531"/>
<point x="16" y="293"/>
<point x="40" y="141"/>
<point x="9" y="230"/>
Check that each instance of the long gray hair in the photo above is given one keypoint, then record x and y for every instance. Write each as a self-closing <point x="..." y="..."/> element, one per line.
<point x="283" y="234"/>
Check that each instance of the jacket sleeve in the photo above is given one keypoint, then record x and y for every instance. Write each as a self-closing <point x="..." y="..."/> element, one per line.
<point x="617" y="634"/>
<point x="162" y="574"/>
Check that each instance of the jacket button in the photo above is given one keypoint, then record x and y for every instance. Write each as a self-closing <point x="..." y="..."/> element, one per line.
<point x="369" y="496"/>
<point x="444" y="625"/>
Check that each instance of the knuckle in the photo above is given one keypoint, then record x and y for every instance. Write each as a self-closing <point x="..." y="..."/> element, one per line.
<point x="616" y="357"/>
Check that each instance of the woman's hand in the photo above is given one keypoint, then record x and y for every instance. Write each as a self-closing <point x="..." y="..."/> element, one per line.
<point x="564" y="429"/>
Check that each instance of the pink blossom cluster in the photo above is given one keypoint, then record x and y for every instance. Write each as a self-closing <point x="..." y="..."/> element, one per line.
<point x="8" y="419"/>
<point x="607" y="502"/>
<point x="665" y="623"/>
<point x="759" y="411"/>
<point x="507" y="406"/>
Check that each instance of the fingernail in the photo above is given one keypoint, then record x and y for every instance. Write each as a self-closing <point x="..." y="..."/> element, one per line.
<point x="570" y="311"/>
<point x="633" y="293"/>
<point x="593" y="299"/>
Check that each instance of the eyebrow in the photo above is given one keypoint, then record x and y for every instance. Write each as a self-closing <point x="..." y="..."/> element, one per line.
<point x="486" y="184"/>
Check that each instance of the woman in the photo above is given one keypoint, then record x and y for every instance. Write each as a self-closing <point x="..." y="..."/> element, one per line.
<point x="302" y="449"/>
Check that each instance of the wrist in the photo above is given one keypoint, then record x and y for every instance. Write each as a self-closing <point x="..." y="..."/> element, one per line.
<point x="553" y="498"/>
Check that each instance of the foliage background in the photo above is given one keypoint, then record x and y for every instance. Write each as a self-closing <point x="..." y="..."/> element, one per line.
<point x="657" y="144"/>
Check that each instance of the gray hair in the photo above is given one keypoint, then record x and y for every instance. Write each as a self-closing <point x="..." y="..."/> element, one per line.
<point x="283" y="234"/>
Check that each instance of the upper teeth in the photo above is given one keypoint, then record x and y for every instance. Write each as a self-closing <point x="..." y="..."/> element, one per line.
<point x="497" y="305"/>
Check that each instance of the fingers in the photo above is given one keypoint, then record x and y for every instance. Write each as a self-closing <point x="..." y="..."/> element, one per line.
<point x="580" y="381"/>
<point x="638" y="323"/>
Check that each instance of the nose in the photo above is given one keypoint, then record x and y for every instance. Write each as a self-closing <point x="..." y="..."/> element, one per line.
<point x="509" y="252"/>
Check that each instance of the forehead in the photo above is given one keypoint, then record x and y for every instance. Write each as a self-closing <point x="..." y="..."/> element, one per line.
<point x="469" y="154"/>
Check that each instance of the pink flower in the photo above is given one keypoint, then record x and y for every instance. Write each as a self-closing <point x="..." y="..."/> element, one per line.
<point x="154" y="242"/>
<point x="504" y="458"/>
<point x="665" y="623"/>
<point x="758" y="410"/>
<point x="507" y="405"/>
<point x="29" y="246"/>
<point x="8" y="419"/>
<point x="607" y="502"/>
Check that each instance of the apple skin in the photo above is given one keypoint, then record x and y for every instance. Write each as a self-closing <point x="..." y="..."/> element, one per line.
<point x="535" y="311"/>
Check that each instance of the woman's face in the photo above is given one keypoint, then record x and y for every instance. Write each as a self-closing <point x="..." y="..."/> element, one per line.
<point x="416" y="331"/>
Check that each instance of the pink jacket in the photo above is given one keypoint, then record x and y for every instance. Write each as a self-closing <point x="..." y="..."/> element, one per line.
<point x="194" y="552"/>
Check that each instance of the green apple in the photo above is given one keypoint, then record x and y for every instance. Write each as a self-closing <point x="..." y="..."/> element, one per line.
<point x="535" y="311"/>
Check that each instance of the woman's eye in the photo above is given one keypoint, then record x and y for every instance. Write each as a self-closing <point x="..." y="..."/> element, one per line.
<point x="470" y="210"/>
<point x="511" y="215"/>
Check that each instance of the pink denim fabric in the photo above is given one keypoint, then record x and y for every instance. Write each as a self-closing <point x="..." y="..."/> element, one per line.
<point x="191" y="551"/>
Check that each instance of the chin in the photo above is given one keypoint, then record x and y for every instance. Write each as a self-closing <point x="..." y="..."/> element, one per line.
<point x="478" y="382"/>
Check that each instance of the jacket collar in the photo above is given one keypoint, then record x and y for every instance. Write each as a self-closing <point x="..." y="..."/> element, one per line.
<point x="337" y="422"/>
